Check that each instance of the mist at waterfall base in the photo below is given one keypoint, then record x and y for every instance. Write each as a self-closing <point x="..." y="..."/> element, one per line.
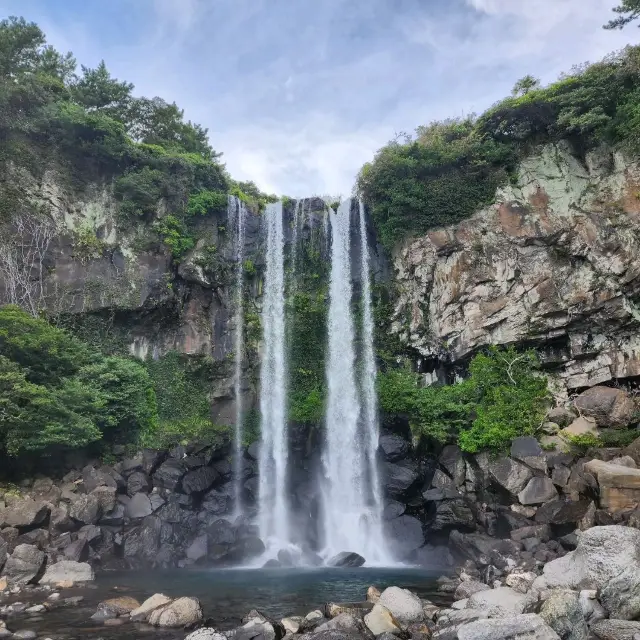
<point x="350" y="506"/>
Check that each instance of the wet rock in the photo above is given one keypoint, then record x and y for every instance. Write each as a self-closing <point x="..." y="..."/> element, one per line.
<point x="24" y="513"/>
<point x="312" y="620"/>
<point x="25" y="634"/>
<point x="67" y="571"/>
<point x="120" y="606"/>
<point x="393" y="509"/>
<point x="221" y="532"/>
<point x="23" y="565"/>
<point x="537" y="491"/>
<point x="404" y="535"/>
<point x="608" y="406"/>
<point x="216" y="503"/>
<point x="393" y="446"/>
<point x="616" y="629"/>
<point x="206" y="633"/>
<point x="199" y="480"/>
<point x="244" y="551"/>
<point x="344" y="622"/>
<point x="198" y="549"/>
<point x="357" y="609"/>
<point x="178" y="613"/>
<point x="398" y="479"/>
<point x="527" y="626"/>
<point x="346" y="559"/>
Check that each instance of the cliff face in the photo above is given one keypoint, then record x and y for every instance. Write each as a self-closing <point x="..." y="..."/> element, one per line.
<point x="552" y="264"/>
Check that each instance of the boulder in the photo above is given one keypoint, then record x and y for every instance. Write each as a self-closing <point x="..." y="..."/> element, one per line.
<point x="527" y="449"/>
<point x="198" y="549"/>
<point x="520" y="582"/>
<point x="373" y="594"/>
<point x="199" y="480"/>
<point x="616" y="629"/>
<point x="528" y="626"/>
<point x="581" y="426"/>
<point x="620" y="596"/>
<point x="561" y="416"/>
<point x="393" y="446"/>
<point x="23" y="565"/>
<point x="468" y="587"/>
<point x="562" y="511"/>
<point x="149" y="605"/>
<point x="592" y="610"/>
<point x="24" y="513"/>
<point x="393" y="509"/>
<point x="602" y="554"/>
<point x="608" y="406"/>
<point x="452" y="461"/>
<point x="619" y="485"/>
<point x="404" y="535"/>
<point x="510" y="474"/>
<point x="344" y="622"/>
<point x="398" y="479"/>
<point x="138" y="482"/>
<point x="114" y="518"/>
<point x="178" y="613"/>
<point x="169" y="475"/>
<point x="106" y="497"/>
<point x="120" y="606"/>
<point x="93" y="478"/>
<point x="68" y="571"/>
<point x="85" y="509"/>
<point x="453" y="513"/>
<point x="346" y="559"/>
<point x="244" y="550"/>
<point x="404" y="605"/>
<point x="138" y="507"/>
<point x="292" y="624"/>
<point x="380" y="620"/>
<point x="540" y="531"/>
<point x="562" y="611"/>
<point x="498" y="603"/>
<point x="78" y="551"/>
<point x="537" y="491"/>
<point x="206" y="633"/>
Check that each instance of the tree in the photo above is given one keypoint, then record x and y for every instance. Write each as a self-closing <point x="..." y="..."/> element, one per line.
<point x="97" y="90"/>
<point x="629" y="7"/>
<point x="524" y="85"/>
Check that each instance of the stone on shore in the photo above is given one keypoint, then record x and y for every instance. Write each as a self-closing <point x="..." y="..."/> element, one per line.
<point x="178" y="613"/>
<point x="67" y="571"/>
<point x="404" y="605"/>
<point x="527" y="626"/>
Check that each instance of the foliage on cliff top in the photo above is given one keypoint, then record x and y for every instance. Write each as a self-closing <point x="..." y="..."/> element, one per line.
<point x="448" y="170"/>
<point x="56" y="392"/>
<point x="502" y="398"/>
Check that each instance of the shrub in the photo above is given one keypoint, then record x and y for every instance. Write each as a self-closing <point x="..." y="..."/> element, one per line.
<point x="175" y="236"/>
<point x="206" y="202"/>
<point x="502" y="398"/>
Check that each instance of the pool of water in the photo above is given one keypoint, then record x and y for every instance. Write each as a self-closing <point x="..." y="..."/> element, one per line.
<point x="226" y="596"/>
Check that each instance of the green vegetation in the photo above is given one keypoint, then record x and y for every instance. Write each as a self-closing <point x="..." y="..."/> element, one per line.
<point x="502" y="398"/>
<point x="629" y="7"/>
<point x="58" y="393"/>
<point x="582" y="443"/>
<point x="448" y="170"/>
<point x="182" y="385"/>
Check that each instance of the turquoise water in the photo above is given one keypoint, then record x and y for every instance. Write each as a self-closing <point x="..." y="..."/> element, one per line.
<point x="226" y="596"/>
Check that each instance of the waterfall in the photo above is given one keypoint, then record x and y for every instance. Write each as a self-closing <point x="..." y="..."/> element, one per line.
<point x="351" y="521"/>
<point x="369" y="400"/>
<point x="236" y="214"/>
<point x="273" y="502"/>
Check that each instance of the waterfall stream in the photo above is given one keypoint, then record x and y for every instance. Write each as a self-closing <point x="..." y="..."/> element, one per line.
<point x="236" y="214"/>
<point x="274" y="520"/>
<point x="351" y="495"/>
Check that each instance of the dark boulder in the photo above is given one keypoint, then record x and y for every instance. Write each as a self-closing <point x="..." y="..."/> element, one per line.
<point x="393" y="446"/>
<point x="346" y="559"/>
<point x="393" y="509"/>
<point x="138" y="507"/>
<point x="152" y="459"/>
<point x="77" y="551"/>
<point x="198" y="549"/>
<point x="453" y="513"/>
<point x="510" y="475"/>
<point x="562" y="512"/>
<point x="138" y="482"/>
<point x="114" y="518"/>
<point x="216" y="503"/>
<point x="453" y="463"/>
<point x="141" y="543"/>
<point x="398" y="479"/>
<point x="85" y="509"/>
<point x="253" y="450"/>
<point x="24" y="513"/>
<point x="403" y="535"/>
<point x="169" y="475"/>
<point x="244" y="551"/>
<point x="221" y="532"/>
<point x="199" y="480"/>
<point x="24" y="565"/>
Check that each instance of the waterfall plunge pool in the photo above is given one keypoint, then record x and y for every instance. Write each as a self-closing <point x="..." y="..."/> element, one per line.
<point x="226" y="596"/>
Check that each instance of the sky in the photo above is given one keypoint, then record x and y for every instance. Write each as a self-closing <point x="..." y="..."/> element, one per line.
<point x="298" y="94"/>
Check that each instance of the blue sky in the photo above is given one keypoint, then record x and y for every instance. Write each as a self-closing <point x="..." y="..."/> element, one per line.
<point x="298" y="94"/>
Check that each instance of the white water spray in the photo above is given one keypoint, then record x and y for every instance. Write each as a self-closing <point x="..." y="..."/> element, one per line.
<point x="236" y="214"/>
<point x="351" y="515"/>
<point x="274" y="507"/>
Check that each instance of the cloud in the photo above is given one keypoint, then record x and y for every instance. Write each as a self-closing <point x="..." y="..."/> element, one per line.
<point x="298" y="95"/>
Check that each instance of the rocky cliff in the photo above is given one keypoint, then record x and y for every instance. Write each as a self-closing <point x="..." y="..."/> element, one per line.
<point x="552" y="264"/>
